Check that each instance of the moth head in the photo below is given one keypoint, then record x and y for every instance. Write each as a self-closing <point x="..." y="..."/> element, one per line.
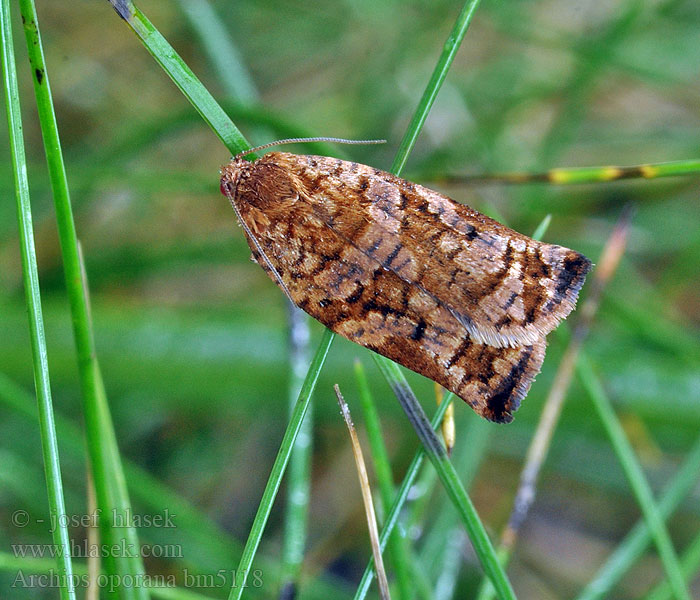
<point x="231" y="174"/>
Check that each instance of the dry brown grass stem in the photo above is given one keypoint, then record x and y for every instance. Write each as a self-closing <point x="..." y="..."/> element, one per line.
<point x="366" y="498"/>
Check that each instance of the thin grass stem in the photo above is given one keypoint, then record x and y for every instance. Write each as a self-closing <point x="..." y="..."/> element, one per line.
<point x="366" y="496"/>
<point x="299" y="476"/>
<point x="635" y="476"/>
<point x="398" y="544"/>
<point x="30" y="277"/>
<point x="541" y="441"/>
<point x="638" y="539"/>
<point x="578" y="175"/>
<point x="392" y="516"/>
<point x="182" y="76"/>
<point x="112" y="495"/>
<point x="223" y="54"/>
<point x="279" y="466"/>
<point x="438" y="456"/>
<point x="690" y="563"/>
<point x="449" y="51"/>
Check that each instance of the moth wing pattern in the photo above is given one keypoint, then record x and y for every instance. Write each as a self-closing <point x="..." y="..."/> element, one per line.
<point x="407" y="272"/>
<point x="506" y="288"/>
<point x="356" y="297"/>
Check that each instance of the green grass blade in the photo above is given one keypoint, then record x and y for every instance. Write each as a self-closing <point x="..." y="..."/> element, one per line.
<point x="182" y="76"/>
<point x="211" y="545"/>
<point x="438" y="456"/>
<point x="30" y="276"/>
<point x="639" y="538"/>
<point x="541" y="229"/>
<point x="690" y="563"/>
<point x="398" y="544"/>
<point x="574" y="175"/>
<point x="227" y="62"/>
<point x="467" y="457"/>
<point x="635" y="476"/>
<point x="236" y="80"/>
<point x="449" y="51"/>
<point x="110" y="487"/>
<point x="378" y="451"/>
<point x="564" y="176"/>
<point x="299" y="471"/>
<point x="220" y="50"/>
<point x="392" y="516"/>
<point x="279" y="466"/>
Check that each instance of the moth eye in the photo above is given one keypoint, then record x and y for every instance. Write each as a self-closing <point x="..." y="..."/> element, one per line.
<point x="226" y="188"/>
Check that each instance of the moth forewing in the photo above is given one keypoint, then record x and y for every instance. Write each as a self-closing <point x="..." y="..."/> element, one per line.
<point x="407" y="272"/>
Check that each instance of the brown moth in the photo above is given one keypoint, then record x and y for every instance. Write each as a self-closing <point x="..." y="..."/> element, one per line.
<point x="407" y="272"/>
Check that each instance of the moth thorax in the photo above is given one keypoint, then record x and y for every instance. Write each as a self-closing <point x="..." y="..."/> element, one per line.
<point x="267" y="186"/>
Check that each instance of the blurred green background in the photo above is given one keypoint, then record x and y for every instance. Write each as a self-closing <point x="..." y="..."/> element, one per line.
<point x="192" y="337"/>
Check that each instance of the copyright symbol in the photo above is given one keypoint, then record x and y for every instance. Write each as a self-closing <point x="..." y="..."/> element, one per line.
<point x="20" y="518"/>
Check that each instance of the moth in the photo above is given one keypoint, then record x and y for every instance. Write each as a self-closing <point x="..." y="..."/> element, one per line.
<point x="407" y="272"/>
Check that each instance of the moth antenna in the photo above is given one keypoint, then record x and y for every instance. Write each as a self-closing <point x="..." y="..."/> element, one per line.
<point x="306" y="140"/>
<point x="258" y="247"/>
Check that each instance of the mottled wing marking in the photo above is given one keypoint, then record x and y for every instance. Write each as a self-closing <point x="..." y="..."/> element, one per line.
<point x="357" y="298"/>
<point x="506" y="288"/>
